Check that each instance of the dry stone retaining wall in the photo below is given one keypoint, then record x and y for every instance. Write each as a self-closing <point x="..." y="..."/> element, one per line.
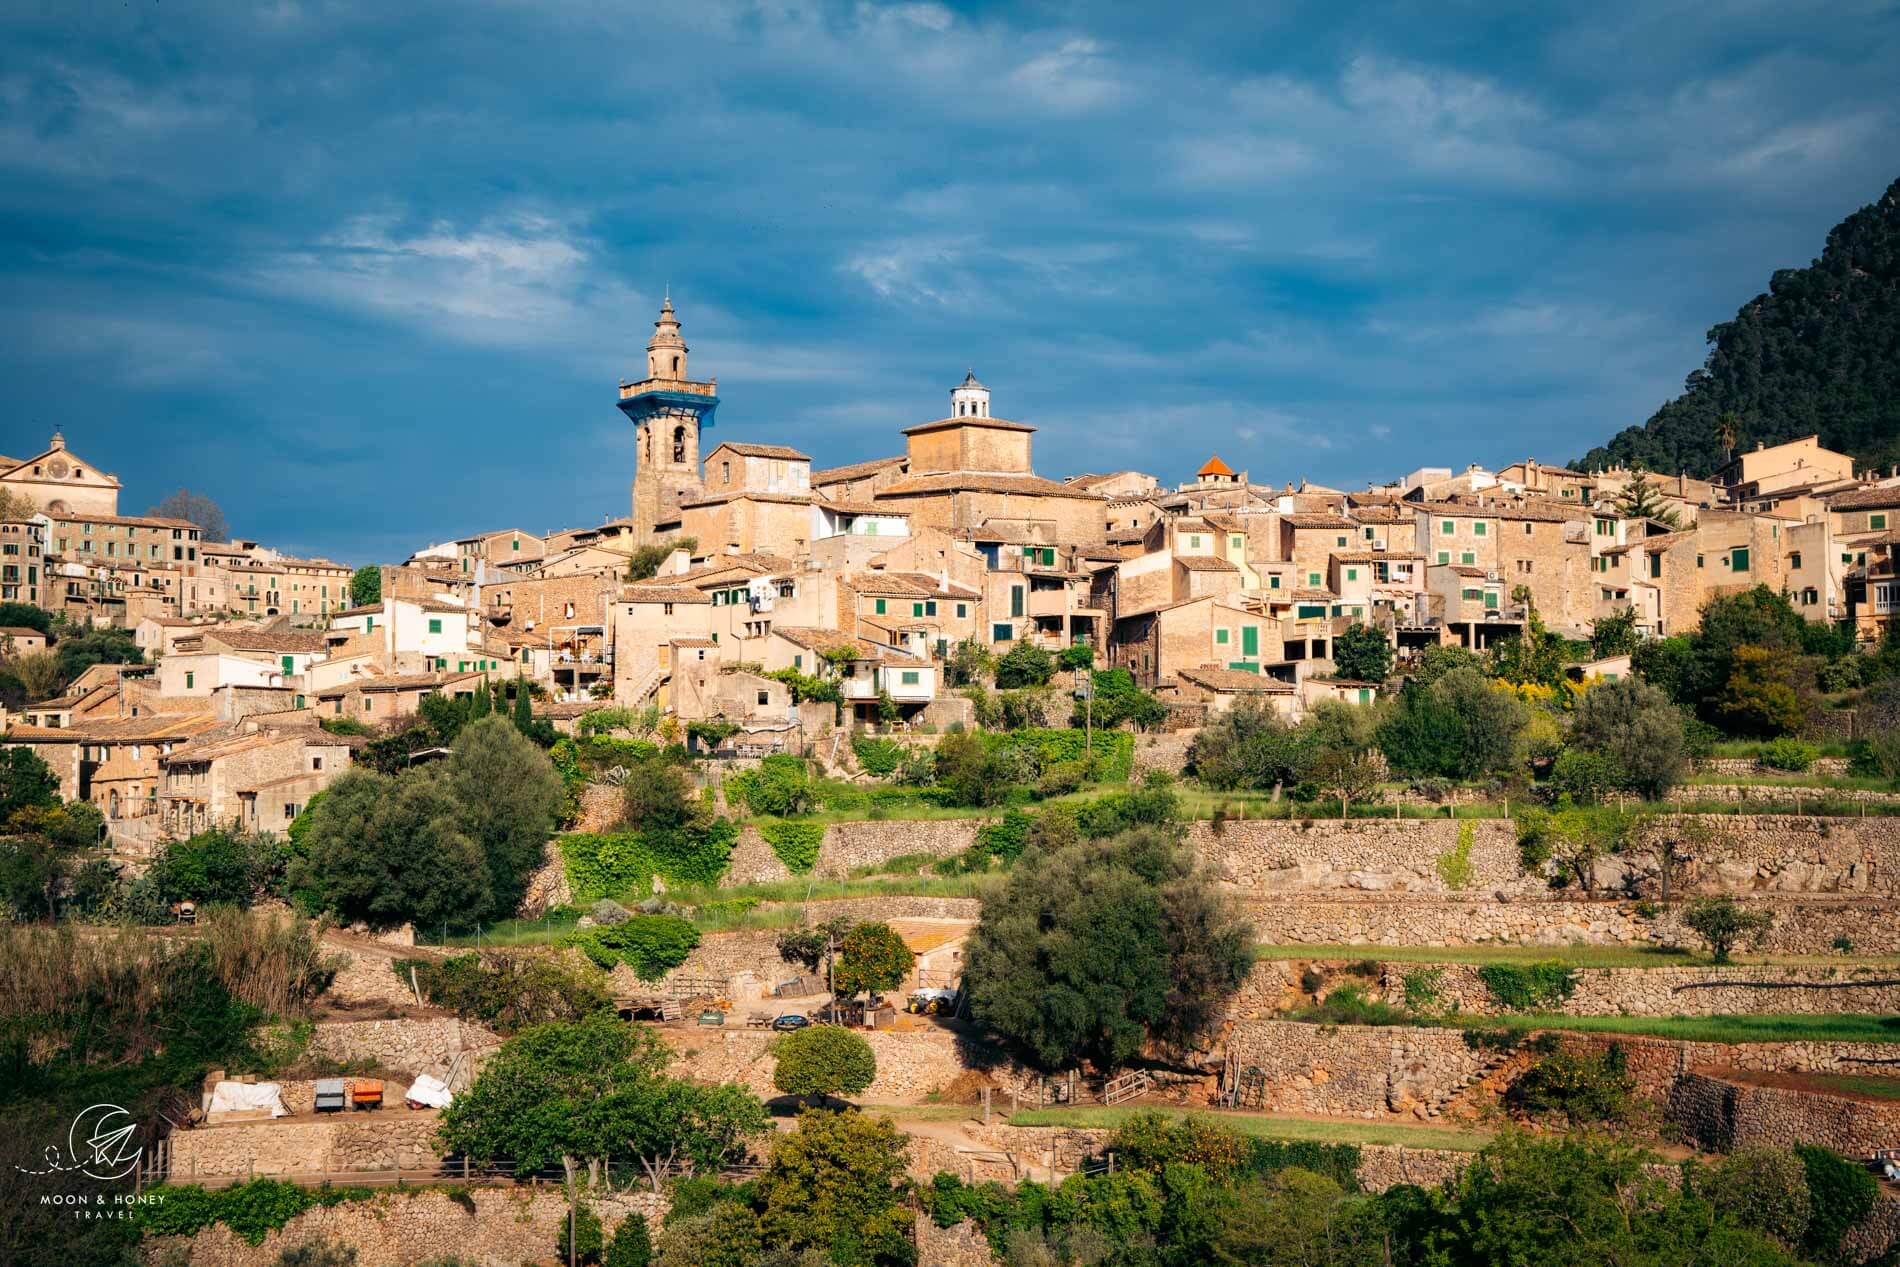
<point x="910" y="1064"/>
<point x="847" y="846"/>
<point x="1723" y="1115"/>
<point x="1801" y="927"/>
<point x="1353" y="1070"/>
<point x="1277" y="856"/>
<point x="383" y="1140"/>
<point x="1673" y="991"/>
<point x="411" y="1045"/>
<point x="490" y="1227"/>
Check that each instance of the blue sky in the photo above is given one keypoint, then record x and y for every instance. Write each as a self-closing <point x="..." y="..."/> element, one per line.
<point x="368" y="273"/>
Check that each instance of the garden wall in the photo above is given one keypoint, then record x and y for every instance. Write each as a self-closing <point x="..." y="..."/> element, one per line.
<point x="910" y="1064"/>
<point x="1354" y="1070"/>
<point x="487" y="1227"/>
<point x="383" y="1140"/>
<point x="412" y="1045"/>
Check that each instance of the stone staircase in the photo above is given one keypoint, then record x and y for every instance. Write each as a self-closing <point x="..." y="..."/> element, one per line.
<point x="648" y="684"/>
<point x="1436" y="1105"/>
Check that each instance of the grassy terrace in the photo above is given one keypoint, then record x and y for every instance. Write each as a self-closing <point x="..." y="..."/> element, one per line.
<point x="1840" y="1027"/>
<point x="1855" y="1084"/>
<point x="1575" y="955"/>
<point x="1319" y="1131"/>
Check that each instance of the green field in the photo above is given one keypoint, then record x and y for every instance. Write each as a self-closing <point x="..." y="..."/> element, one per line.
<point x="1576" y="955"/>
<point x="1269" y="1127"/>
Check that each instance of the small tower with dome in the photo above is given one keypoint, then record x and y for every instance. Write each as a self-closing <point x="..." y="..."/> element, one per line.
<point x="969" y="399"/>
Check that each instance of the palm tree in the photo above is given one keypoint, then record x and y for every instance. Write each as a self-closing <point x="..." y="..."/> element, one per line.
<point x="1728" y="432"/>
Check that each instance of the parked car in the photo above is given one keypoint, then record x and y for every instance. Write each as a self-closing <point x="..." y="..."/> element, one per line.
<point x="790" y="1021"/>
<point x="712" y="1016"/>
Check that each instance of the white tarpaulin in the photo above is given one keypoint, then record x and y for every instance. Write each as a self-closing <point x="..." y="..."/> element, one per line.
<point x="430" y="1091"/>
<point x="231" y="1097"/>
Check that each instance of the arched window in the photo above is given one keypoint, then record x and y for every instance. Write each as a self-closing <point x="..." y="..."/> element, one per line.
<point x="649" y="444"/>
<point x="679" y="444"/>
<point x="676" y="365"/>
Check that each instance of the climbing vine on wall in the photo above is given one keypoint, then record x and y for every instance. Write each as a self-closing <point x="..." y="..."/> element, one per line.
<point x="796" y="844"/>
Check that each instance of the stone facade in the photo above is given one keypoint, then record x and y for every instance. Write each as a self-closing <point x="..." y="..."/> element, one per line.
<point x="490" y="1227"/>
<point x="1354" y="1070"/>
<point x="1271" y="856"/>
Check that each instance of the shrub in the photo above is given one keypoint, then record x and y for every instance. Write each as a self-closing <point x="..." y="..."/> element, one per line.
<point x="1840" y="1194"/>
<point x="508" y="991"/>
<point x="1025" y="664"/>
<point x="588" y="1242"/>
<point x="1722" y="922"/>
<point x="652" y="945"/>
<point x="1636" y="734"/>
<point x="795" y="844"/>
<point x="1454" y="864"/>
<point x="780" y="787"/>
<point x="1537" y="987"/>
<point x="1585" y="776"/>
<point x="1422" y="989"/>
<point x="1762" y="1188"/>
<point x="1788" y="754"/>
<point x="632" y="1245"/>
<point x="878" y="757"/>
<point x="1581" y="1087"/>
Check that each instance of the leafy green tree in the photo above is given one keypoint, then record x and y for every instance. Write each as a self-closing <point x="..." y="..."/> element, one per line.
<point x="971" y="772"/>
<point x="1573" y="838"/>
<point x="510" y="797"/>
<point x="872" y="958"/>
<point x="366" y="586"/>
<point x="1615" y="634"/>
<point x="219" y="865"/>
<point x="1362" y="654"/>
<point x="1460" y="727"/>
<point x="42" y="847"/>
<point x="969" y="663"/>
<point x="1077" y="656"/>
<point x="1582" y="1087"/>
<point x="393" y="850"/>
<point x="727" y="1235"/>
<point x="1763" y="1189"/>
<point x="657" y="797"/>
<point x="524" y="710"/>
<point x="823" y="1060"/>
<point x="837" y="1184"/>
<point x="77" y="652"/>
<point x="1535" y="656"/>
<point x="1840" y="1195"/>
<point x="780" y="787"/>
<point x="1441" y="658"/>
<point x="1025" y="664"/>
<point x="1091" y="950"/>
<point x="1670" y="665"/>
<point x="1633" y="725"/>
<point x="25" y="616"/>
<point x="25" y="780"/>
<point x="1586" y="777"/>
<point x="645" y="562"/>
<point x="1723" y="922"/>
<point x="1249" y="747"/>
<point x="1760" y="697"/>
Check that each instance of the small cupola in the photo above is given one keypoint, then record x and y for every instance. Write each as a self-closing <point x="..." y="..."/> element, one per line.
<point x="969" y="399"/>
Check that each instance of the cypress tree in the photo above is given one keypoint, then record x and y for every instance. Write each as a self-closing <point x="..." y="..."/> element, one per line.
<point x="524" y="710"/>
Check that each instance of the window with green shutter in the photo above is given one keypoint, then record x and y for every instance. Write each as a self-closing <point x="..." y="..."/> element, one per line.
<point x="1250" y="640"/>
<point x="1446" y="528"/>
<point x="435" y="625"/>
<point x="290" y="664"/>
<point x="930" y="607"/>
<point x="1876" y="521"/>
<point x="1352" y="574"/>
<point x="1444" y="556"/>
<point x="963" y="610"/>
<point x="1467" y="558"/>
<point x="1273" y="582"/>
<point x="1473" y="595"/>
<point x="798" y="661"/>
<point x="1220" y="637"/>
<point x="880" y="607"/>
<point x="1491" y="600"/>
<point x="916" y="609"/>
<point x="189" y="679"/>
<point x="1312" y="579"/>
<point x="1738" y="559"/>
<point x="1015" y="600"/>
<point x="1002" y="633"/>
<point x="909" y="677"/>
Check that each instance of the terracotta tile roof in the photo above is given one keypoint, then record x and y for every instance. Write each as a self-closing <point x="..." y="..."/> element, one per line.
<point x="663" y="594"/>
<point x="137" y="521"/>
<point x="864" y="508"/>
<point x="821" y="640"/>
<point x="214" y="749"/>
<point x="1374" y="556"/>
<point x="762" y="450"/>
<point x="967" y="482"/>
<point x="1213" y="466"/>
<point x="1129" y="536"/>
<point x="1537" y="512"/>
<point x="743" y="495"/>
<point x="906" y="585"/>
<point x="19" y="631"/>
<point x="718" y="564"/>
<point x="856" y="470"/>
<point x="1378" y="514"/>
<point x="993" y="424"/>
<point x="692" y="642"/>
<point x="1216" y="678"/>
<point x="398" y="682"/>
<point x="1319" y="521"/>
<point x="1865" y="498"/>
<point x="1204" y="563"/>
<point x="263" y="640"/>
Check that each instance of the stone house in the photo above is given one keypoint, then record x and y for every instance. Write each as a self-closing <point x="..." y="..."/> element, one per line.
<point x="23" y="561"/>
<point x="60" y="482"/>
<point x="218" y="781"/>
<point x="1219" y="689"/>
<point x="20" y="640"/>
<point x="374" y="700"/>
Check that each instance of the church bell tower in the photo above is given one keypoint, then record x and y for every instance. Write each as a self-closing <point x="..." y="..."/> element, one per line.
<point x="667" y="410"/>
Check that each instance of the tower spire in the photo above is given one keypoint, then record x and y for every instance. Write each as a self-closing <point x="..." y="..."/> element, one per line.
<point x="666" y="351"/>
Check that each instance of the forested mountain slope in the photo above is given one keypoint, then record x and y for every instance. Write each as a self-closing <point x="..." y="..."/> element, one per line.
<point x="1819" y="353"/>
